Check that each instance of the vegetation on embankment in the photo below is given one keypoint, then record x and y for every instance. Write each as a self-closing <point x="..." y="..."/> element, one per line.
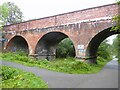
<point x="116" y="47"/>
<point x="15" y="78"/>
<point x="67" y="65"/>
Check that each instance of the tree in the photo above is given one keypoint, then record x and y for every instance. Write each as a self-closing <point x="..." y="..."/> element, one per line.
<point x="117" y="18"/>
<point x="117" y="28"/>
<point x="104" y="50"/>
<point x="65" y="49"/>
<point x="10" y="14"/>
<point x="116" y="47"/>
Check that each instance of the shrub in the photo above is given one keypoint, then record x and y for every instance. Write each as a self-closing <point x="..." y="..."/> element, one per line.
<point x="68" y="65"/>
<point x="20" y="56"/>
<point x="65" y="49"/>
<point x="8" y="73"/>
<point x="15" y="78"/>
<point x="100" y="59"/>
<point x="81" y="65"/>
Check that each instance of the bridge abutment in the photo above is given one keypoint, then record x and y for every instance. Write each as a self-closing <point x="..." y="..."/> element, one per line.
<point x="41" y="36"/>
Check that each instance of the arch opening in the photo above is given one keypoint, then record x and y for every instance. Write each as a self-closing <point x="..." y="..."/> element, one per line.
<point x="91" y="51"/>
<point x="47" y="45"/>
<point x="65" y="49"/>
<point x="17" y="43"/>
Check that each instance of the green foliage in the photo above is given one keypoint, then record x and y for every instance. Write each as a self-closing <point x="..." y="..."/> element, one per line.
<point x="101" y="59"/>
<point x="117" y="19"/>
<point x="116" y="43"/>
<point x="20" y="56"/>
<point x="104" y="51"/>
<point x="65" y="49"/>
<point x="8" y="73"/>
<point x="15" y="78"/>
<point x="118" y="2"/>
<point x="116" y="47"/>
<point x="119" y="49"/>
<point x="4" y="12"/>
<point x="10" y="13"/>
<point x="67" y="65"/>
<point x="81" y="65"/>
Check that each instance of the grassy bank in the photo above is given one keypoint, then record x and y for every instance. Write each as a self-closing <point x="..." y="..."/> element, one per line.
<point x="68" y="65"/>
<point x="15" y="78"/>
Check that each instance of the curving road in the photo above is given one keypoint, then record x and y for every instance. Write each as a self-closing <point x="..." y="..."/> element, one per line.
<point x="106" y="78"/>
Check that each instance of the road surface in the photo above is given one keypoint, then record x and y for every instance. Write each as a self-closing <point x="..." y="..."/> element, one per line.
<point x="106" y="78"/>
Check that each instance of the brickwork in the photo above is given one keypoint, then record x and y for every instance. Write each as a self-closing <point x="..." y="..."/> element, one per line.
<point x="71" y="17"/>
<point x="80" y="26"/>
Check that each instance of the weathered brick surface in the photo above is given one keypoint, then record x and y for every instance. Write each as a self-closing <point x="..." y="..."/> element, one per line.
<point x="81" y="33"/>
<point x="71" y="17"/>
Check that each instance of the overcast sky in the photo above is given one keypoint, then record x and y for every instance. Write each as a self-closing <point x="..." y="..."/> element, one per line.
<point x="33" y="9"/>
<point x="41" y="8"/>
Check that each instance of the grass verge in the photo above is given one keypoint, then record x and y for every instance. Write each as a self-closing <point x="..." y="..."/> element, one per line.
<point x="15" y="78"/>
<point x="68" y="65"/>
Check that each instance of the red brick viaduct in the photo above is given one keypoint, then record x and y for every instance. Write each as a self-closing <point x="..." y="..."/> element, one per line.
<point x="86" y="28"/>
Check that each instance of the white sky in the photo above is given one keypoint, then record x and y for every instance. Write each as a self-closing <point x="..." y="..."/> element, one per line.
<point x="41" y="8"/>
<point x="33" y="9"/>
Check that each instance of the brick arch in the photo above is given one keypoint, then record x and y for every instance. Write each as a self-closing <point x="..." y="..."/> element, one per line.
<point x="47" y="44"/>
<point x="17" y="42"/>
<point x="81" y="26"/>
<point x="91" y="51"/>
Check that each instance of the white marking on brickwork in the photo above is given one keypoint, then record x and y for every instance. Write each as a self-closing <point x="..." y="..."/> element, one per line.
<point x="67" y="24"/>
<point x="91" y="20"/>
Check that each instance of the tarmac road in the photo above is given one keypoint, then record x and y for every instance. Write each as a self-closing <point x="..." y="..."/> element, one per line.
<point x="106" y="78"/>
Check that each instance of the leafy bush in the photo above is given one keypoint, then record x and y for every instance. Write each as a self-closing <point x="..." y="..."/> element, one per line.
<point x="15" y="78"/>
<point x="65" y="49"/>
<point x="67" y="65"/>
<point x="100" y="59"/>
<point x="8" y="73"/>
<point x="20" y="56"/>
<point x="81" y="65"/>
<point x="104" y="52"/>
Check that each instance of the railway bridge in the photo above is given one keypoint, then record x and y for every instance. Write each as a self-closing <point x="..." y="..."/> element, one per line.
<point x="86" y="28"/>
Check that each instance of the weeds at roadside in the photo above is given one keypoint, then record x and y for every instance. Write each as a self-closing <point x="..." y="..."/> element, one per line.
<point x="15" y="78"/>
<point x="67" y="65"/>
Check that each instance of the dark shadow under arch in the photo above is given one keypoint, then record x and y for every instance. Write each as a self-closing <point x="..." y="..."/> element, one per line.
<point x="17" y="43"/>
<point x="91" y="51"/>
<point x="46" y="46"/>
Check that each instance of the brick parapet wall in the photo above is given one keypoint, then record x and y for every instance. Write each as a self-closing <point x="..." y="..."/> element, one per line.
<point x="66" y="18"/>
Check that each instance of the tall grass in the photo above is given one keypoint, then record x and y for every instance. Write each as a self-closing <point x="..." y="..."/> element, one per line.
<point x="67" y="65"/>
<point x="15" y="78"/>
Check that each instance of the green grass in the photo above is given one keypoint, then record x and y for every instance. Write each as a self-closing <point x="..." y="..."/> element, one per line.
<point x="68" y="65"/>
<point x="15" y="78"/>
<point x="119" y="61"/>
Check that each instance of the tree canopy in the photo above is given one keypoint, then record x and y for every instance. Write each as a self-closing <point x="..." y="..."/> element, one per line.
<point x="65" y="49"/>
<point x="10" y="14"/>
<point x="104" y="50"/>
<point x="116" y="47"/>
<point x="117" y="18"/>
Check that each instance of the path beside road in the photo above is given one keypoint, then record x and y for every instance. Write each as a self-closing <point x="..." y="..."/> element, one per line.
<point x="106" y="78"/>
